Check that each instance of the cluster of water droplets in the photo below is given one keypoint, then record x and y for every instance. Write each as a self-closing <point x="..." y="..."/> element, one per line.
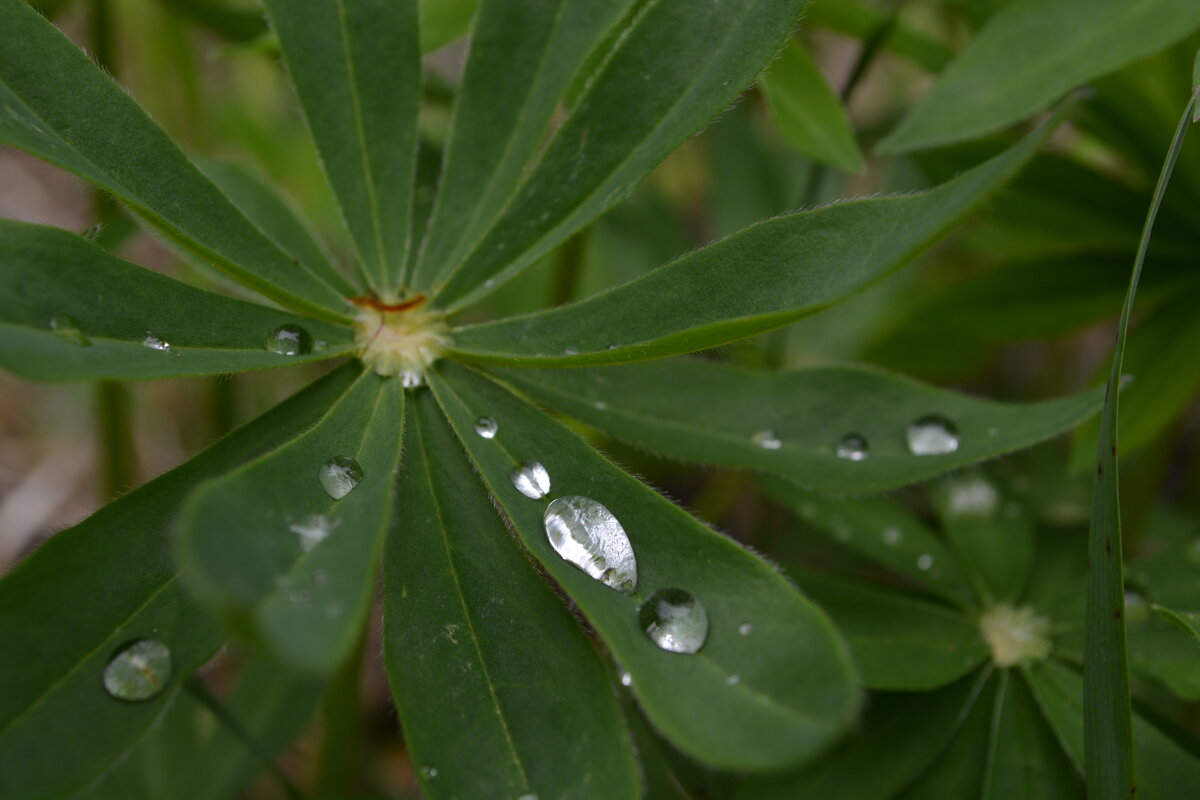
<point x="927" y="436"/>
<point x="286" y="340"/>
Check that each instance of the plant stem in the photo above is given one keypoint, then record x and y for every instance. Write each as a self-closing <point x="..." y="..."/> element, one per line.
<point x="118" y="456"/>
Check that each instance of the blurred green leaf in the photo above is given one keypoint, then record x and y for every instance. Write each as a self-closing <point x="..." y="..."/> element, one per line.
<point x="1030" y="54"/>
<point x="468" y="618"/>
<point x="862" y="21"/>
<point x="55" y="327"/>
<point x="231" y="22"/>
<point x="443" y="21"/>
<point x="1025" y="759"/>
<point x="955" y="774"/>
<point x="991" y="533"/>
<point x="357" y="71"/>
<point x="1186" y="621"/>
<point x="808" y="112"/>
<point x="287" y="544"/>
<point x="773" y="684"/>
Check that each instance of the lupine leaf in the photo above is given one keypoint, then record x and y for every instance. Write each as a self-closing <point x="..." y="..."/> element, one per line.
<point x="468" y="618"/>
<point x="708" y="412"/>
<point x="957" y="773"/>
<point x="1186" y="621"/>
<point x="1030" y="54"/>
<point x="757" y="697"/>
<point x="56" y="104"/>
<point x="270" y="546"/>
<point x="357" y="70"/>
<point x="443" y="21"/>
<point x="97" y="586"/>
<point x="71" y="311"/>
<point x="807" y="111"/>
<point x="522" y="57"/>
<point x="638" y="108"/>
<point x="1025" y="760"/>
<point x="765" y="276"/>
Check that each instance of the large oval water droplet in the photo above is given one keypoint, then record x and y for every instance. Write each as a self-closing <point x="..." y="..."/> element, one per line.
<point x="587" y="535"/>
<point x="531" y="480"/>
<point x="139" y="671"/>
<point x="674" y="620"/>
<point x="339" y="475"/>
<point x="767" y="440"/>
<point x="289" y="340"/>
<point x="66" y="328"/>
<point x="932" y="435"/>
<point x="486" y="427"/>
<point x="852" y="447"/>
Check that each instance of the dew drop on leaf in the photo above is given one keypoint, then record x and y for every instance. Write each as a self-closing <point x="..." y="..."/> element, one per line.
<point x="924" y="561"/>
<point x="339" y="475"/>
<point x="852" y="447"/>
<point x="66" y="328"/>
<point x="745" y="629"/>
<point x="767" y="440"/>
<point x="932" y="435"/>
<point x="972" y="496"/>
<point x="486" y="427"/>
<point x="313" y="529"/>
<point x="428" y="773"/>
<point x="587" y="535"/>
<point x="531" y="480"/>
<point x="289" y="340"/>
<point x="155" y="343"/>
<point x="626" y="678"/>
<point x="734" y="680"/>
<point x="892" y="535"/>
<point x="139" y="671"/>
<point x="674" y="620"/>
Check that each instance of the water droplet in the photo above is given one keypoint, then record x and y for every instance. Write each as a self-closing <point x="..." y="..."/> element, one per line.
<point x="428" y="773"/>
<point x="531" y="480"/>
<point x="66" y="328"/>
<point x="626" y="678"/>
<point x="412" y="378"/>
<point x="486" y="427"/>
<point x="1126" y="379"/>
<point x="972" y="496"/>
<point x="993" y="432"/>
<point x="734" y="680"/>
<point x="139" y="671"/>
<point x="892" y="536"/>
<point x="339" y="475"/>
<point x="932" y="435"/>
<point x="600" y="405"/>
<point x="528" y="797"/>
<point x="154" y="343"/>
<point x="289" y="340"/>
<point x="767" y="440"/>
<point x="745" y="629"/>
<point x="674" y="620"/>
<point x="570" y="351"/>
<point x="314" y="528"/>
<point x="587" y="535"/>
<point x="924" y="561"/>
<point x="852" y="447"/>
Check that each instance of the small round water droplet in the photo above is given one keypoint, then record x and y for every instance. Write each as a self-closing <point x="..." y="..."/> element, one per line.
<point x="734" y="680"/>
<point x="428" y="773"/>
<point x="924" y="561"/>
<point x="289" y="340"/>
<point x="767" y="440"/>
<point x="339" y="475"/>
<point x="626" y="679"/>
<point x="66" y="328"/>
<point x="154" y="343"/>
<point x="932" y="435"/>
<point x="139" y="671"/>
<point x="993" y="432"/>
<point x="587" y="535"/>
<point x="972" y="496"/>
<point x="531" y="480"/>
<point x="1126" y="380"/>
<point x="600" y="405"/>
<point x="486" y="427"/>
<point x="852" y="447"/>
<point x="674" y="620"/>
<point x="745" y="629"/>
<point x="892" y="536"/>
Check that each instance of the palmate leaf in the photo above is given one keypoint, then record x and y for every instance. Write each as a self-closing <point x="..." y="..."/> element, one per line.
<point x="1030" y="54"/>
<point x="1024" y="757"/>
<point x="955" y="774"/>
<point x="287" y="544"/>
<point x="717" y="414"/>
<point x="487" y="666"/>
<point x="639" y="106"/>
<point x="765" y="276"/>
<point x="95" y="587"/>
<point x="57" y="105"/>
<point x="772" y="683"/>
<point x="356" y="68"/>
<point x="71" y="311"/>
<point x="523" y="56"/>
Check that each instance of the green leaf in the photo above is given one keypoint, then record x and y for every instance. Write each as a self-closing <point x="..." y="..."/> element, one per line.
<point x="753" y="698"/>
<point x="1025" y="760"/>
<point x="992" y="535"/>
<point x="357" y="70"/>
<point x="1168" y="655"/>
<point x="863" y="21"/>
<point x="442" y="21"/>
<point x="97" y="586"/>
<point x="808" y="112"/>
<point x="270" y="545"/>
<point x="881" y="531"/>
<point x="767" y="275"/>
<point x="57" y="105"/>
<point x="708" y="412"/>
<point x="1165" y="771"/>
<point x="956" y="773"/>
<point x="1030" y="54"/>
<point x="468" y="618"/>
<point x="275" y="216"/>
<point x="71" y="311"/>
<point x="901" y="735"/>
<point x="676" y="66"/>
<point x="898" y="642"/>
<point x="523" y="55"/>
<point x="231" y="21"/>
<point x="1186" y="621"/>
<point x="1106" y="689"/>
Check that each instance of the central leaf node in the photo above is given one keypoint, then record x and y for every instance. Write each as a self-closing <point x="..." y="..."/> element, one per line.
<point x="403" y="339"/>
<point x="1015" y="635"/>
